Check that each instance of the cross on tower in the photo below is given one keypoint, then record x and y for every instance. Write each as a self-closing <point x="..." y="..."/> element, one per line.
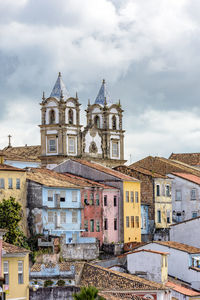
<point x="9" y="140"/>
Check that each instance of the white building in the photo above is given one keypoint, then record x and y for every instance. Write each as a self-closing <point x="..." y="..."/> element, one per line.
<point x="148" y="264"/>
<point x="185" y="196"/>
<point x="186" y="231"/>
<point x="183" y="260"/>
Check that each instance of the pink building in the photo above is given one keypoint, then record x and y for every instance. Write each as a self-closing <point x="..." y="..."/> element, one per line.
<point x="111" y="198"/>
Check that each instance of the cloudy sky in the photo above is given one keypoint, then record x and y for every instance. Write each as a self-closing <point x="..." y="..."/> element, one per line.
<point x="147" y="50"/>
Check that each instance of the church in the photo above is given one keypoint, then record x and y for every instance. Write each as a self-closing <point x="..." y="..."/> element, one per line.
<point x="62" y="136"/>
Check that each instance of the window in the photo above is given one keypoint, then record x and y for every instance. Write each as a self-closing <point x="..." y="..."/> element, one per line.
<point x="17" y="183"/>
<point x="51" y="116"/>
<point x="168" y="216"/>
<point x="178" y="195"/>
<point x="86" y="199"/>
<point x="50" y="216"/>
<point x="132" y="196"/>
<point x="74" y="196"/>
<point x="137" y="221"/>
<point x="50" y="195"/>
<point x="74" y="217"/>
<point x="115" y="201"/>
<point x="97" y="121"/>
<point x="20" y="272"/>
<point x="10" y="183"/>
<point x="63" y="217"/>
<point x="86" y="225"/>
<point x="97" y="226"/>
<point x="127" y="196"/>
<point x="114" y="123"/>
<point x="105" y="200"/>
<point x="127" y="222"/>
<point x="115" y="149"/>
<point x="115" y="224"/>
<point x="92" y="225"/>
<point x="157" y="190"/>
<point x="62" y="196"/>
<point x="144" y="222"/>
<point x="158" y="216"/>
<point x="194" y="214"/>
<point x="136" y="197"/>
<point x="97" y="199"/>
<point x="193" y="194"/>
<point x="70" y="116"/>
<point x="6" y="271"/>
<point x="132" y="221"/>
<point x="74" y="237"/>
<point x="168" y="194"/>
<point x="2" y="183"/>
<point x="105" y="224"/>
<point x="91" y="198"/>
<point x="71" y="145"/>
<point x="52" y="145"/>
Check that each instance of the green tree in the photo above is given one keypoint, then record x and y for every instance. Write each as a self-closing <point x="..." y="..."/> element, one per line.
<point x="10" y="216"/>
<point x="87" y="293"/>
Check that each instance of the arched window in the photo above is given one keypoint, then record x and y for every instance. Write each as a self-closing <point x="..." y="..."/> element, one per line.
<point x="114" y="123"/>
<point x="70" y="116"/>
<point x="97" y="121"/>
<point x="51" y="116"/>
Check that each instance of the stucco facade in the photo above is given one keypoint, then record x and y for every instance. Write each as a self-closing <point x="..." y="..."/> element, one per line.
<point x="13" y="184"/>
<point x="15" y="265"/>
<point x="163" y="203"/>
<point x="115" y="179"/>
<point x="185" y="198"/>
<point x="149" y="264"/>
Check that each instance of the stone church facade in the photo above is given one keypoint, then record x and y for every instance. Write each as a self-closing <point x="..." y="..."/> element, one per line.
<point x="62" y="135"/>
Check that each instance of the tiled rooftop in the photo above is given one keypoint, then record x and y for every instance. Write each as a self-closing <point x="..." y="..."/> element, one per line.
<point x="106" y="170"/>
<point x="140" y="170"/>
<point x="106" y="279"/>
<point x="181" y="289"/>
<point x="165" y="166"/>
<point x="192" y="219"/>
<point x="190" y="177"/>
<point x="149" y="251"/>
<point x="64" y="266"/>
<point x="192" y="159"/>
<point x="179" y="246"/>
<point x="86" y="182"/>
<point x="28" y="153"/>
<point x="4" y="167"/>
<point x="119" y="295"/>
<point x="50" y="178"/>
<point x="9" y="248"/>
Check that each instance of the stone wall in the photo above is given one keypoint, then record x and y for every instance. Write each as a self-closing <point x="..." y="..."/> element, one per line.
<point x="83" y="251"/>
<point x="52" y="293"/>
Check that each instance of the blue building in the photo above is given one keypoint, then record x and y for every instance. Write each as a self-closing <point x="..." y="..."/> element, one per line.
<point x="54" y="206"/>
<point x="144" y="221"/>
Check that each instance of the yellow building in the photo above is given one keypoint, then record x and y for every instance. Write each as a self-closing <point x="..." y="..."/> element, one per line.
<point x="13" y="184"/>
<point x="132" y="211"/>
<point x="163" y="203"/>
<point x="15" y="269"/>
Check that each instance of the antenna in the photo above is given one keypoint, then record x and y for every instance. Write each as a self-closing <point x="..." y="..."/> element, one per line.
<point x="9" y="140"/>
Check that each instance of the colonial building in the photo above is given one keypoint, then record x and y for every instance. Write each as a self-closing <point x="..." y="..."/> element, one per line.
<point x="102" y="139"/>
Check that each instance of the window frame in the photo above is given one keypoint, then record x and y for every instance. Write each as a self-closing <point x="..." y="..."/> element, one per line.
<point x="127" y="222"/>
<point x="91" y="225"/>
<point x="115" y="151"/>
<point x="115" y="201"/>
<point x="63" y="217"/>
<point x="136" y="197"/>
<point x="158" y="190"/>
<point x="74" y="217"/>
<point x="6" y="272"/>
<point x="10" y="183"/>
<point x="18" y="184"/>
<point x="72" y="138"/>
<point x="176" y="193"/>
<point x="2" y="183"/>
<point x="193" y="197"/>
<point x="159" y="216"/>
<point x="105" y="200"/>
<point x="20" y="278"/>
<point x="105" y="224"/>
<point x="115" y="224"/>
<point x="127" y="197"/>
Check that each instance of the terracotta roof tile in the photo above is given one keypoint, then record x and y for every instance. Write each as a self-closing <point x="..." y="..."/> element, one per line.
<point x="50" y="178"/>
<point x="119" y="295"/>
<point x="192" y="159"/>
<point x="165" y="166"/>
<point x="148" y="250"/>
<point x="106" y="170"/>
<point x="181" y="289"/>
<point x="106" y="279"/>
<point x="179" y="246"/>
<point x="190" y="177"/>
<point x="192" y="219"/>
<point x="63" y="266"/>
<point x="140" y="170"/>
<point x="9" y="248"/>
<point x="4" y="167"/>
<point x="28" y="153"/>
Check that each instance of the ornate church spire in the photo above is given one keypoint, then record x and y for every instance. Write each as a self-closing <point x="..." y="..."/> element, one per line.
<point x="59" y="88"/>
<point x="102" y="95"/>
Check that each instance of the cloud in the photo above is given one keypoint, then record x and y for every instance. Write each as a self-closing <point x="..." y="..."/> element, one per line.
<point x="148" y="51"/>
